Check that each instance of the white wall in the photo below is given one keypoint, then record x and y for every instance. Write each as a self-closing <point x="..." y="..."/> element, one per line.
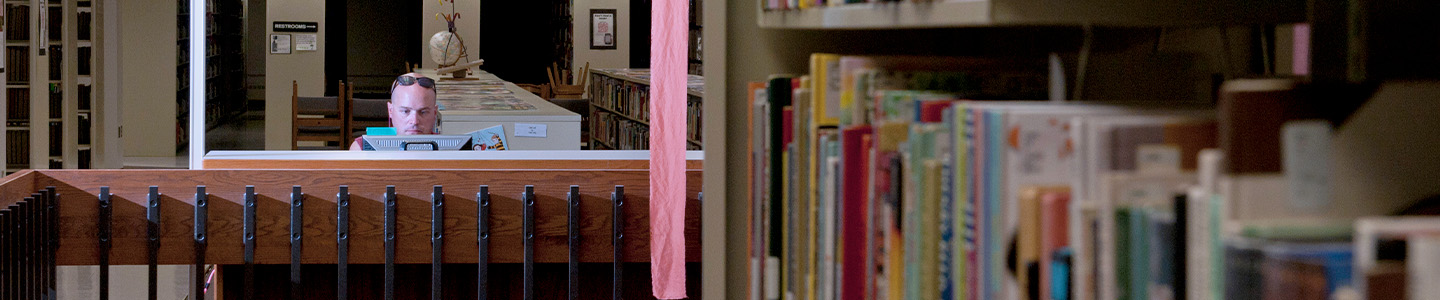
<point x="468" y="26"/>
<point x="148" y="97"/>
<point x="616" y="58"/>
<point x="306" y="67"/>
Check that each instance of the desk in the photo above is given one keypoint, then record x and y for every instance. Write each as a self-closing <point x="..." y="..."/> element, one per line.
<point x="562" y="125"/>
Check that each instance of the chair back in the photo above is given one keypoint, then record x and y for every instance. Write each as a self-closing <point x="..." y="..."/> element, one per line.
<point x="318" y="119"/>
<point x="365" y="113"/>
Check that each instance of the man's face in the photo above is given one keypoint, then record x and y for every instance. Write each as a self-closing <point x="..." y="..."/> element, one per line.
<point x="412" y="110"/>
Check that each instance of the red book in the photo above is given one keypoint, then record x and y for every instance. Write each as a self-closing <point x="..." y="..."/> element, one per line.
<point x="787" y="125"/>
<point x="855" y="276"/>
<point x="1054" y="232"/>
<point x="933" y="111"/>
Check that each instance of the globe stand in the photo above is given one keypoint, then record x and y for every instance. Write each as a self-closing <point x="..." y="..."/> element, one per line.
<point x="459" y="71"/>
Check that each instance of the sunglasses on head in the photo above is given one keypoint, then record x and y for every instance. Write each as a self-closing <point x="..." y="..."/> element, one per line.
<point x="407" y="80"/>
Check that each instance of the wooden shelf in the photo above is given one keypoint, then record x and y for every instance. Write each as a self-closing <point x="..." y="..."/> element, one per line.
<point x="622" y="115"/>
<point x="690" y="91"/>
<point x="17" y="43"/>
<point x="981" y="13"/>
<point x="603" y="144"/>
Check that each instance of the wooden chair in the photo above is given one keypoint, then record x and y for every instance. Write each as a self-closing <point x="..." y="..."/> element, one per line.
<point x="319" y="119"/>
<point x="364" y="113"/>
<point x="562" y="86"/>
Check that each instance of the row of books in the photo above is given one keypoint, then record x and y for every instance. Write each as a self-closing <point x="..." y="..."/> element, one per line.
<point x="694" y="112"/>
<point x="57" y="69"/>
<point x="17" y="58"/>
<point x="806" y="4"/>
<point x="873" y="179"/>
<point x="56" y="99"/>
<point x="618" y="133"/>
<point x="57" y="14"/>
<point x="83" y="60"/>
<point x="84" y="93"/>
<point x="17" y="22"/>
<point x="624" y="94"/>
<point x="82" y="135"/>
<point x="57" y="133"/>
<point x="83" y="25"/>
<point x="17" y="105"/>
<point x="17" y="148"/>
<point x="620" y="96"/>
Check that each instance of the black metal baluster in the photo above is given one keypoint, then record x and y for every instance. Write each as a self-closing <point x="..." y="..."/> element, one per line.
<point x="249" y="239"/>
<point x="528" y="201"/>
<point x="482" y="289"/>
<point x="297" y="230"/>
<point x="27" y="278"/>
<point x="202" y="211"/>
<point x="437" y="241"/>
<point x="16" y="271"/>
<point x="52" y="211"/>
<point x="390" y="242"/>
<point x="13" y="246"/>
<point x="573" y="199"/>
<point x="5" y="269"/>
<point x="42" y="244"/>
<point x="617" y="234"/>
<point x="152" y="230"/>
<point x="23" y="249"/>
<point x="342" y="243"/>
<point x="105" y="235"/>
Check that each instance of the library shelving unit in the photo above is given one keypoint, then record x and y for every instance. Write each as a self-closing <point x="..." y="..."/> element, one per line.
<point x="979" y="13"/>
<point x="51" y="102"/>
<point x="754" y="42"/>
<point x="620" y="114"/>
<point x="224" y="66"/>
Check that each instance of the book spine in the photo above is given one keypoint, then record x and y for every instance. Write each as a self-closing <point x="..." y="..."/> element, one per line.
<point x="855" y="255"/>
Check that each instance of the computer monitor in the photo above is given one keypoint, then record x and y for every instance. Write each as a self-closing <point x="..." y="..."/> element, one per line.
<point x="417" y="142"/>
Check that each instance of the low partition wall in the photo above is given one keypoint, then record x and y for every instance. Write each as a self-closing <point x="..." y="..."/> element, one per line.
<point x="340" y="217"/>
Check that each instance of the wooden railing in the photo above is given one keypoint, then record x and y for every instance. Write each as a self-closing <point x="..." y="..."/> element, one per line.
<point x="342" y="217"/>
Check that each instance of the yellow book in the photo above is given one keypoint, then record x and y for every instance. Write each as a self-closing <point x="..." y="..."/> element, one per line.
<point x="825" y="89"/>
<point x="930" y="235"/>
<point x="1027" y="238"/>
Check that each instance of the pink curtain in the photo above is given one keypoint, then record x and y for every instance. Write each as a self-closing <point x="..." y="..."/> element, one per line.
<point x="669" y="32"/>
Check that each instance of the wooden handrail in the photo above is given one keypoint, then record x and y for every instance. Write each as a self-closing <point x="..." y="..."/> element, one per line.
<point x="78" y="213"/>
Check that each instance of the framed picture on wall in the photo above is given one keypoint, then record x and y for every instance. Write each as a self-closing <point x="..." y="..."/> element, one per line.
<point x="602" y="29"/>
<point x="279" y="44"/>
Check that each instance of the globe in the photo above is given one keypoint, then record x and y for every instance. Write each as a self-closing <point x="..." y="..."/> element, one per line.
<point x="445" y="48"/>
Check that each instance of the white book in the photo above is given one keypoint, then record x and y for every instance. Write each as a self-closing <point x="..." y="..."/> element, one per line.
<point x="1422" y="267"/>
<point x="1369" y="231"/>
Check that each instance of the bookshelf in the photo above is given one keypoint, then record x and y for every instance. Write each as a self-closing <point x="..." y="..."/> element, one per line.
<point x="758" y="42"/>
<point x="50" y="86"/>
<point x="981" y="13"/>
<point x="224" y="65"/>
<point x="620" y="115"/>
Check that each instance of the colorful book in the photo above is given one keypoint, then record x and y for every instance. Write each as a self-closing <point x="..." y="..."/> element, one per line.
<point x="855" y="255"/>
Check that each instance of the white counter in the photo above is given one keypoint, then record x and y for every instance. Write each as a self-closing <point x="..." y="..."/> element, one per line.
<point x="540" y="159"/>
<point x="562" y="125"/>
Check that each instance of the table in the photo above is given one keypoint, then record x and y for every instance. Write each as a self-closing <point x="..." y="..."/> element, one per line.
<point x="562" y="126"/>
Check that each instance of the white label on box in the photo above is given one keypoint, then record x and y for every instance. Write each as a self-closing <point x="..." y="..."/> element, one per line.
<point x="1306" y="147"/>
<point x="530" y="130"/>
<point x="1157" y="158"/>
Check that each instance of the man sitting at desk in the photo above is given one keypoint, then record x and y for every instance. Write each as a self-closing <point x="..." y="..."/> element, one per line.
<point x="412" y="108"/>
